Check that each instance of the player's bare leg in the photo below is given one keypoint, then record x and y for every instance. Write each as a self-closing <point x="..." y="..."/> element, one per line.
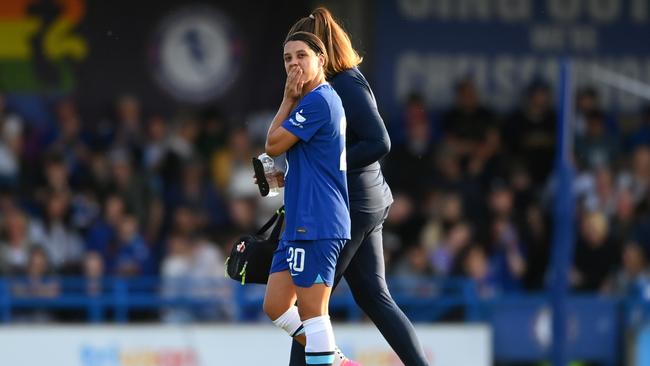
<point x="279" y="306"/>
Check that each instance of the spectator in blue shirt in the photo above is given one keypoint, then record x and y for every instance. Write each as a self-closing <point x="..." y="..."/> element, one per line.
<point x="131" y="257"/>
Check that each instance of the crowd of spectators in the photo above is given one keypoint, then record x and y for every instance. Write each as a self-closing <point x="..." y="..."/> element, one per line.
<point x="136" y="195"/>
<point x="474" y="193"/>
<point x="128" y="196"/>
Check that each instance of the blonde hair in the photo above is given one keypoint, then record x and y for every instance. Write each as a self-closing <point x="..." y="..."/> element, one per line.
<point x="596" y="224"/>
<point x="341" y="55"/>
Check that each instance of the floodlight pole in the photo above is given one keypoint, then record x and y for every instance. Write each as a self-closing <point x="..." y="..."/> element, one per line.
<point x="564" y="217"/>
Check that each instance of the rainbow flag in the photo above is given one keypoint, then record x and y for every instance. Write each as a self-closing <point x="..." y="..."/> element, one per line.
<point x="37" y="51"/>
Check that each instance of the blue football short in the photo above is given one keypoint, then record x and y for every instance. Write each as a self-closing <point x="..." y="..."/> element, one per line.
<point x="308" y="261"/>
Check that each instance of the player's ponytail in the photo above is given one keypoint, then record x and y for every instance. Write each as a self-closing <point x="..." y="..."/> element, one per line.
<point x="341" y="54"/>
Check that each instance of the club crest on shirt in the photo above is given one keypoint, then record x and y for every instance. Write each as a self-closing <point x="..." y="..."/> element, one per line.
<point x="299" y="119"/>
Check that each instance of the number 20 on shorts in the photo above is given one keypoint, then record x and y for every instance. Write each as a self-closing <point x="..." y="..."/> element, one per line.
<point x="296" y="259"/>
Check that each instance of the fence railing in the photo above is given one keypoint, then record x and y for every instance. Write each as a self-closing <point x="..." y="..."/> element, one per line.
<point x="521" y="324"/>
<point x="114" y="299"/>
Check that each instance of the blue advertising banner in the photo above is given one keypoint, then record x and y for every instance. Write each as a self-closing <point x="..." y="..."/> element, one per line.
<point x="523" y="331"/>
<point x="428" y="45"/>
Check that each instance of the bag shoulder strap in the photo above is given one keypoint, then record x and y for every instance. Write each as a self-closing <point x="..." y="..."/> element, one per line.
<point x="275" y="234"/>
<point x="279" y="212"/>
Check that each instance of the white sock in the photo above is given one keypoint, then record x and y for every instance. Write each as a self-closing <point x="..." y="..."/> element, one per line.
<point x="290" y="322"/>
<point x="320" y="346"/>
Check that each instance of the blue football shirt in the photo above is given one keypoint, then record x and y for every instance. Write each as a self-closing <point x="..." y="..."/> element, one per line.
<point x="315" y="191"/>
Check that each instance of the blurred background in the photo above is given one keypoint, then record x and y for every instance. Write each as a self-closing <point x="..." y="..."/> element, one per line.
<point x="127" y="129"/>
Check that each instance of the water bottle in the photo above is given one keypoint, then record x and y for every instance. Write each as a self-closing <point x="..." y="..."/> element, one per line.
<point x="270" y="171"/>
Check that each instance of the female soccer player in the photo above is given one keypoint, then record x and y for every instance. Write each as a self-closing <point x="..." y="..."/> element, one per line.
<point x="310" y="128"/>
<point x="362" y="260"/>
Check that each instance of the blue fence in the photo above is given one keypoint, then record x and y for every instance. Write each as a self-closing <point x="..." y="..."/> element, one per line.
<point x="114" y="296"/>
<point x="521" y="325"/>
<point x="113" y="299"/>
